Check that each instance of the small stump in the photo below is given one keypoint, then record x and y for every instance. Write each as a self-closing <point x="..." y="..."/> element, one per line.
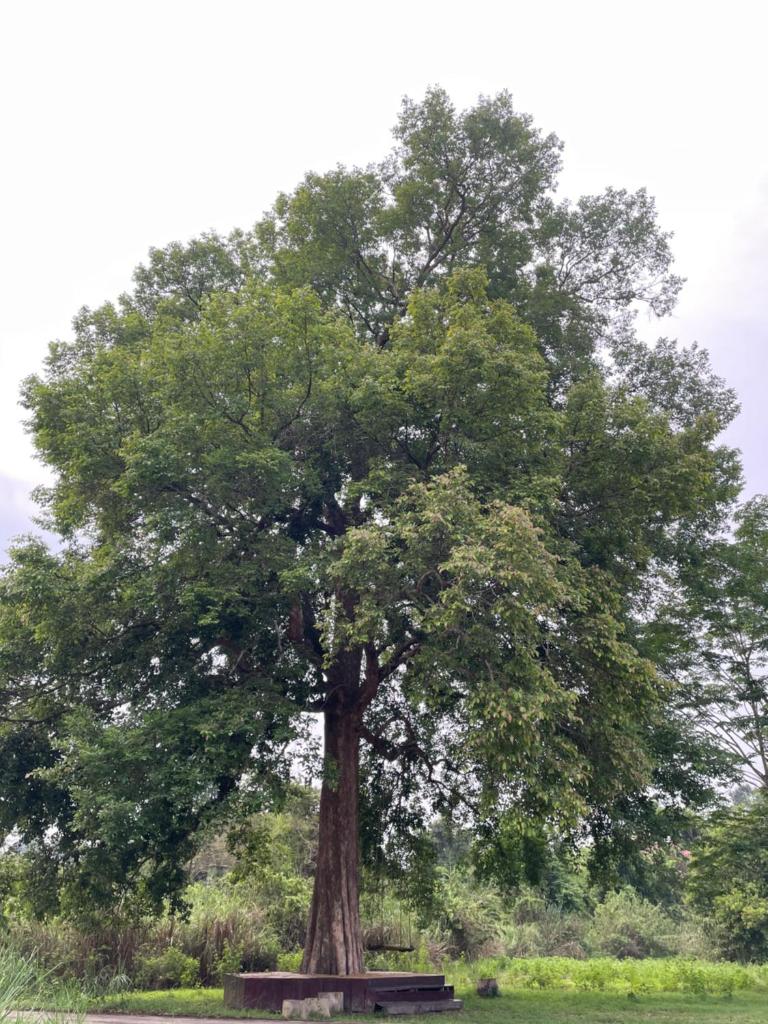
<point x="488" y="987"/>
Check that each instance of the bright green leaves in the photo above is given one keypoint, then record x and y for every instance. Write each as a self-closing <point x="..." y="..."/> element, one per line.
<point x="495" y="596"/>
<point x="439" y="557"/>
<point x="519" y="669"/>
<point x="461" y="383"/>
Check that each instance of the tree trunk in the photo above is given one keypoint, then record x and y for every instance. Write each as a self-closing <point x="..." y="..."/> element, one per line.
<point x="334" y="936"/>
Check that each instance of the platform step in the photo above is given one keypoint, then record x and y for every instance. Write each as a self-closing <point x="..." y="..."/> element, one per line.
<point x="392" y="980"/>
<point x="401" y="1008"/>
<point x="401" y="994"/>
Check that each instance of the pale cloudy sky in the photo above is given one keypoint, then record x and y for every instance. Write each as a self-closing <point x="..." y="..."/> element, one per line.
<point x="130" y="124"/>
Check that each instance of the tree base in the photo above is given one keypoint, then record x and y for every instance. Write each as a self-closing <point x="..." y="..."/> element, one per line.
<point x="362" y="992"/>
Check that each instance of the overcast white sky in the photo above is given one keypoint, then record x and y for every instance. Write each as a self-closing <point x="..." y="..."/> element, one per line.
<point x="130" y="124"/>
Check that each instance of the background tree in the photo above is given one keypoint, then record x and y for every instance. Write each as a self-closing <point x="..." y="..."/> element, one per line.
<point x="728" y="879"/>
<point x="716" y="622"/>
<point x="731" y="603"/>
<point x="365" y="462"/>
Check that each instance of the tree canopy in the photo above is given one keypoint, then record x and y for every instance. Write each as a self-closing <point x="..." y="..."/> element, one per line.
<point x="394" y="457"/>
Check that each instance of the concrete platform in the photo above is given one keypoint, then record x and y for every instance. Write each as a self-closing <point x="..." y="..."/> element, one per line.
<point x="362" y="992"/>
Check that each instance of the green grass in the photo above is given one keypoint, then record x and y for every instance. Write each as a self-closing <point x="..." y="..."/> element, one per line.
<point x="539" y="990"/>
<point x="612" y="1008"/>
<point x="16" y="976"/>
<point x="181" y="1002"/>
<point x="24" y="984"/>
<point x="521" y="1007"/>
<point x="608" y="974"/>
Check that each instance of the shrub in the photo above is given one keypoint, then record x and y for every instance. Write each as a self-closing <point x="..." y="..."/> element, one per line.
<point x="286" y="899"/>
<point x="469" y="915"/>
<point x="626" y="925"/>
<point x="169" y="969"/>
<point x="227" y="921"/>
<point x="98" y="958"/>
<point x="290" y="961"/>
<point x="230" y="961"/>
<point x="543" y="929"/>
<point x="741" y="920"/>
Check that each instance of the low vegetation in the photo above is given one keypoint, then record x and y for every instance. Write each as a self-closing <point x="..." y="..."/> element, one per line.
<point x="558" y="990"/>
<point x="231" y="928"/>
<point x="248" y="911"/>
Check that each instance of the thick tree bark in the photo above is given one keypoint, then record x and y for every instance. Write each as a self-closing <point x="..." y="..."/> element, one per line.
<point x="334" y="936"/>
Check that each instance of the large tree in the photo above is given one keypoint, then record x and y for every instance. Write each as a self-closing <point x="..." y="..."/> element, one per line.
<point x="367" y="461"/>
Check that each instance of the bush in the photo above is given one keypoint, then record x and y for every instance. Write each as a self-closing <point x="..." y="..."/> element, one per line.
<point x="469" y="914"/>
<point x="626" y="925"/>
<point x="227" y="922"/>
<point x="539" y="928"/>
<point x="741" y="922"/>
<point x="230" y="961"/>
<point x="290" y="961"/>
<point x="100" y="959"/>
<point x="170" y="969"/>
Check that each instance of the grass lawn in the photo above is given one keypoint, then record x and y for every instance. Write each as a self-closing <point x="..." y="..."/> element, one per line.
<point x="181" y="1002"/>
<point x="520" y="1007"/>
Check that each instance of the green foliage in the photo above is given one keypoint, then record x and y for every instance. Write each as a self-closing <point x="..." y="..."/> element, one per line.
<point x="96" y="958"/>
<point x="18" y="979"/>
<point x="728" y="879"/>
<point x="275" y="863"/>
<point x="468" y="915"/>
<point x="472" y="188"/>
<point x="472" y="918"/>
<point x="719" y="623"/>
<point x="170" y="969"/>
<point x="12" y="871"/>
<point x="26" y="983"/>
<point x="607" y="974"/>
<point x="741" y="917"/>
<point x="227" y="921"/>
<point x="625" y="925"/>
<point x="369" y="455"/>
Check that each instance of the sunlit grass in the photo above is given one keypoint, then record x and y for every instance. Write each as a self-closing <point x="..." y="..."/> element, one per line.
<point x="536" y="990"/>
<point x="514" y="1007"/>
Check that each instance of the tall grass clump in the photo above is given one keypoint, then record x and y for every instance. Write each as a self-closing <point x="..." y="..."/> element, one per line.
<point x="18" y="979"/>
